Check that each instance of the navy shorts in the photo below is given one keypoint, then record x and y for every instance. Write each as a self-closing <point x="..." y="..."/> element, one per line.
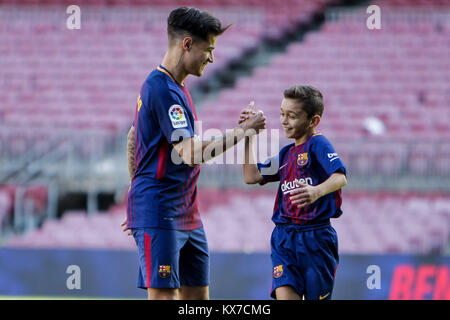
<point x="305" y="258"/>
<point x="170" y="258"/>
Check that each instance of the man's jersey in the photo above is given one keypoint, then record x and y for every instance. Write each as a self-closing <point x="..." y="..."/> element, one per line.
<point x="309" y="163"/>
<point x="163" y="191"/>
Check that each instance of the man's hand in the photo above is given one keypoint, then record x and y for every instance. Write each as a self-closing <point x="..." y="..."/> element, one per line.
<point x="247" y="112"/>
<point x="305" y="195"/>
<point x="124" y="227"/>
<point x="256" y="122"/>
<point x="251" y="119"/>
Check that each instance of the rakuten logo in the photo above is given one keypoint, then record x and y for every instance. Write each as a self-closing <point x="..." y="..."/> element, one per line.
<point x="289" y="186"/>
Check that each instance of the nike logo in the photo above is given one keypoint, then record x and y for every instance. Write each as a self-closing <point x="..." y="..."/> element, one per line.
<point x="323" y="297"/>
<point x="282" y="166"/>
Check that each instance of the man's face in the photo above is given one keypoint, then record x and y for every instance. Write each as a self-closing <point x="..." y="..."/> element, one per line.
<point x="199" y="55"/>
<point x="293" y="119"/>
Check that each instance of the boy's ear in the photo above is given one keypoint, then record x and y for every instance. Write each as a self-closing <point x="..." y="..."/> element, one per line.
<point x="315" y="121"/>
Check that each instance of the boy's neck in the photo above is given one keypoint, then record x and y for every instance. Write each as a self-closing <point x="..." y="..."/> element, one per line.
<point x="303" y="138"/>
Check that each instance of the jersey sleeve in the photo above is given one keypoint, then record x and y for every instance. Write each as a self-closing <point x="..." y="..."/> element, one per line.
<point x="270" y="169"/>
<point x="172" y="115"/>
<point x="327" y="156"/>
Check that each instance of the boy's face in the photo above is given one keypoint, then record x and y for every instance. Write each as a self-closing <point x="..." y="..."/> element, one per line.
<point x="199" y="54"/>
<point x="293" y="119"/>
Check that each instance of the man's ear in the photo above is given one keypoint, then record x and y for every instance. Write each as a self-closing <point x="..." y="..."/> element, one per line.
<point x="187" y="43"/>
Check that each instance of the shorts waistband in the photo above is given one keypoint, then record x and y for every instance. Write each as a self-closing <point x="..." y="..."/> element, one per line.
<point x="306" y="226"/>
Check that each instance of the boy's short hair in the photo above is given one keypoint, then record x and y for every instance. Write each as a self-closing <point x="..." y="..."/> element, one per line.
<point x="309" y="97"/>
<point x="194" y="22"/>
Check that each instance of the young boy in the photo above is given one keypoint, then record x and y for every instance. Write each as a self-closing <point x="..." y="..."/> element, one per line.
<point x="303" y="244"/>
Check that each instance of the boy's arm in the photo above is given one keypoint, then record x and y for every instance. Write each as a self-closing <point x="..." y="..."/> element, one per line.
<point x="306" y="194"/>
<point x="250" y="168"/>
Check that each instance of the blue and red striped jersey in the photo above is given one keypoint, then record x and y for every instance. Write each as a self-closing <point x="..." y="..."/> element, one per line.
<point x="163" y="190"/>
<point x="312" y="162"/>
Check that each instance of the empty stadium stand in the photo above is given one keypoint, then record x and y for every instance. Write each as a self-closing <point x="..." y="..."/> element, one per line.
<point x="372" y="223"/>
<point x="89" y="78"/>
<point x="76" y="91"/>
<point x="397" y="75"/>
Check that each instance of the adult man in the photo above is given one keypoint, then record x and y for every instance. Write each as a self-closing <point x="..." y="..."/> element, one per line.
<point x="164" y="154"/>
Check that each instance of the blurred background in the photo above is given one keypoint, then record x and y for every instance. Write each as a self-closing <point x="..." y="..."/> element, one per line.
<point x="67" y="101"/>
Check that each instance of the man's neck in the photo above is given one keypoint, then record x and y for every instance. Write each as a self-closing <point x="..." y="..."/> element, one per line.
<point x="172" y="63"/>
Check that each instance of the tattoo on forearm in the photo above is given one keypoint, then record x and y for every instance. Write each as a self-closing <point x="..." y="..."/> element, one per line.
<point x="130" y="152"/>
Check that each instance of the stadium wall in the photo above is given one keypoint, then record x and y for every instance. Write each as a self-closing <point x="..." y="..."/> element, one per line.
<point x="113" y="274"/>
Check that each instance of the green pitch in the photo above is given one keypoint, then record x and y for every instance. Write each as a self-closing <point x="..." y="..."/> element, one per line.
<point x="58" y="298"/>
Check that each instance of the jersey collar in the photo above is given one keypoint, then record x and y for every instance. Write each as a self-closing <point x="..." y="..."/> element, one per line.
<point x="167" y="72"/>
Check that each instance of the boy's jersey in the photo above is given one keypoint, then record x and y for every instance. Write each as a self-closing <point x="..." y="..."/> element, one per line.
<point x="163" y="191"/>
<point x="311" y="163"/>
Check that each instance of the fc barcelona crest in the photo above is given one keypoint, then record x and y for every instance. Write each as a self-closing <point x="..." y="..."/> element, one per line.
<point x="278" y="271"/>
<point x="164" y="271"/>
<point x="302" y="159"/>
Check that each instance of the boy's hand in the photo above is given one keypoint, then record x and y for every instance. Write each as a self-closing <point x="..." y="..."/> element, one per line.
<point x="305" y="195"/>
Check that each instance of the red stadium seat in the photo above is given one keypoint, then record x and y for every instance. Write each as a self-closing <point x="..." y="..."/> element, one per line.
<point x="372" y="223"/>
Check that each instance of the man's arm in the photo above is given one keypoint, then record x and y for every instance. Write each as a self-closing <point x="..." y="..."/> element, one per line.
<point x="130" y="152"/>
<point x="306" y="194"/>
<point x="195" y="152"/>
<point x="250" y="169"/>
<point x="131" y="169"/>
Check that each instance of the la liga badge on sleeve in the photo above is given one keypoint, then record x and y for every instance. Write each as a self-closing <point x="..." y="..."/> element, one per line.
<point x="177" y="116"/>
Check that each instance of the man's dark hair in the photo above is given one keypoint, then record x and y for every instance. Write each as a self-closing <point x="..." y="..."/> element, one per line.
<point x="310" y="98"/>
<point x="197" y="23"/>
